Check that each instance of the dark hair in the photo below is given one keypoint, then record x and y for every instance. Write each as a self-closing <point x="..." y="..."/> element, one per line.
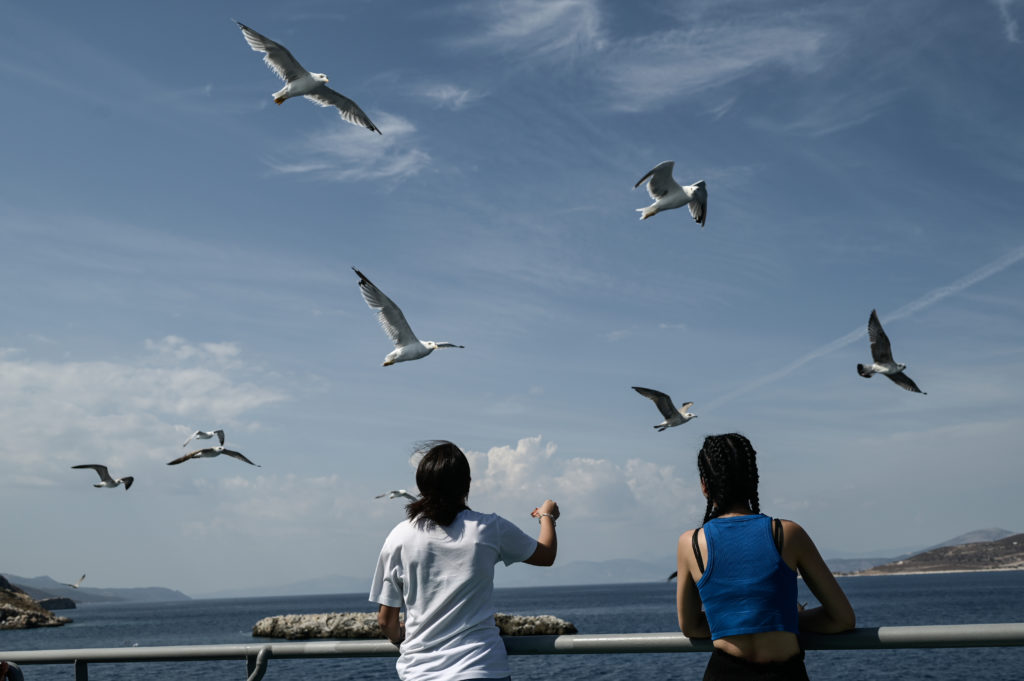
<point x="443" y="478"/>
<point x="728" y="467"/>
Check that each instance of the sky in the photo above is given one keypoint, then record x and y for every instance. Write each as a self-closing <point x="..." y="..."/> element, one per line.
<point x="176" y="254"/>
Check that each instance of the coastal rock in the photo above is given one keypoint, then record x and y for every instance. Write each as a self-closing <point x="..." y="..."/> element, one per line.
<point x="19" y="611"/>
<point x="364" y="625"/>
<point x="531" y="625"/>
<point x="57" y="603"/>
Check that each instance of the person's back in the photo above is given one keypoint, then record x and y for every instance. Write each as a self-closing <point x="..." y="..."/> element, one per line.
<point x="746" y="566"/>
<point x="439" y="565"/>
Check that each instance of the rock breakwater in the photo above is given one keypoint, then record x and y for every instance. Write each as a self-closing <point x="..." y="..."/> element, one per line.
<point x="364" y="625"/>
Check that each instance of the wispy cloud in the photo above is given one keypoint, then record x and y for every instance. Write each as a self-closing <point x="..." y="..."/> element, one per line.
<point x="1010" y="25"/>
<point x="547" y="28"/>
<point x="58" y="412"/>
<point x="448" y="96"/>
<point x="995" y="267"/>
<point x="648" y="71"/>
<point x="347" y="153"/>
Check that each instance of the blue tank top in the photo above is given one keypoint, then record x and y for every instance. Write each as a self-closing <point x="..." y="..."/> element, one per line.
<point x="746" y="588"/>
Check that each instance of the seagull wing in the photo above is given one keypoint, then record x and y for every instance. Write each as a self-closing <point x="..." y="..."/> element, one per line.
<point x="663" y="401"/>
<point x="661" y="182"/>
<point x="408" y="496"/>
<point x="191" y="437"/>
<point x="102" y="470"/>
<point x="699" y="203"/>
<point x="903" y="381"/>
<point x="220" y="436"/>
<point x="686" y="406"/>
<point x="347" y="109"/>
<point x="448" y="345"/>
<point x="388" y="314"/>
<point x="237" y="455"/>
<point x="186" y="457"/>
<point x="276" y="56"/>
<point x="881" y="350"/>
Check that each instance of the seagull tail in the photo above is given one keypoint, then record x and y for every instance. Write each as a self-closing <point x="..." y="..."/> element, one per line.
<point x="864" y="371"/>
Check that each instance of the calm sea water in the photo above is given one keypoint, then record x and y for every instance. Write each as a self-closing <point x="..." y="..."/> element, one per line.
<point x="879" y="601"/>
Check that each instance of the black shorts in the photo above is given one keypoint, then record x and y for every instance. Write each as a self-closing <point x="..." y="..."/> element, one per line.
<point x="724" y="667"/>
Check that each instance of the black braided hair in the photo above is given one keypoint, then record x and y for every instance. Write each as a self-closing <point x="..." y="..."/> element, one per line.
<point x="443" y="479"/>
<point x="728" y="467"/>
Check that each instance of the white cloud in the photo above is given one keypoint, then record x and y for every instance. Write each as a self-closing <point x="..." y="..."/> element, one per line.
<point x="514" y="479"/>
<point x="349" y="153"/>
<point x="648" y="71"/>
<point x="549" y="28"/>
<point x="449" y="96"/>
<point x="1010" y="25"/>
<point x="61" y="413"/>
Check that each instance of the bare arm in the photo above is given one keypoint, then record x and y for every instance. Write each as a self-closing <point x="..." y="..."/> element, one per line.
<point x="387" y="618"/>
<point x="692" y="620"/>
<point x="835" y="613"/>
<point x="547" y="541"/>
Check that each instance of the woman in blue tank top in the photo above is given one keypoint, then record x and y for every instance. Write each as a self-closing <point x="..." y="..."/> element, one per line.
<point x="737" y="575"/>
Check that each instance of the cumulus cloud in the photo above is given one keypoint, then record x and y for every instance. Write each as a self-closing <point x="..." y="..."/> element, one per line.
<point x="513" y="479"/>
<point x="348" y="153"/>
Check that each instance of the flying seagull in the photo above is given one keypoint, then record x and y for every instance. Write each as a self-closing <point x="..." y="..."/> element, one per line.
<point x="300" y="82"/>
<point x="76" y="584"/>
<point x="106" y="480"/>
<point x="208" y="452"/>
<point x="673" y="416"/>
<point x="205" y="435"/>
<point x="881" y="353"/>
<point x="667" y="194"/>
<point x="407" y="346"/>
<point x="397" y="493"/>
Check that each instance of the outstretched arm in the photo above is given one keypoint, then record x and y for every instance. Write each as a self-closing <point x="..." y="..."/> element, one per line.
<point x="835" y="613"/>
<point x="547" y="541"/>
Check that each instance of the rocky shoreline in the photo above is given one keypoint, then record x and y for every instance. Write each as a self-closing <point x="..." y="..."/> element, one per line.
<point x="364" y="625"/>
<point x="18" y="610"/>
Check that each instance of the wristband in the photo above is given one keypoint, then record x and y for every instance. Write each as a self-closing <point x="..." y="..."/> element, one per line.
<point x="550" y="515"/>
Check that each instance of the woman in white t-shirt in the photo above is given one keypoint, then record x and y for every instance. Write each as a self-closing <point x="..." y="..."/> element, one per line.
<point x="439" y="565"/>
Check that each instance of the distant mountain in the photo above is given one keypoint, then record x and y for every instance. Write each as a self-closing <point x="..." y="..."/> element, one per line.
<point x="1004" y="554"/>
<point x="851" y="565"/>
<point x="46" y="587"/>
<point x="991" y="534"/>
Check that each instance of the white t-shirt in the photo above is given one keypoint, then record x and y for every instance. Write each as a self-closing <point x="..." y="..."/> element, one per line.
<point x="444" y="576"/>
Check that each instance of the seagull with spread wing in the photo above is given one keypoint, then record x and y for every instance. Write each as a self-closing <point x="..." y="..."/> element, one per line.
<point x="76" y="584"/>
<point x="298" y="82"/>
<point x="673" y="416"/>
<point x="668" y="194"/>
<point x="407" y="346"/>
<point x="105" y="479"/>
<point x="395" y="493"/>
<point x="205" y="435"/>
<point x="881" y="353"/>
<point x="209" y="452"/>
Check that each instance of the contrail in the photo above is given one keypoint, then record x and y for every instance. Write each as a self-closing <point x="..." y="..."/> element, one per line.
<point x="928" y="299"/>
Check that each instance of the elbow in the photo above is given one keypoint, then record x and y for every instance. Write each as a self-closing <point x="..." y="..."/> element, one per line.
<point x="848" y="621"/>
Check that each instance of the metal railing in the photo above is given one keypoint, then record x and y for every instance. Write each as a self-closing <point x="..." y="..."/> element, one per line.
<point x="258" y="655"/>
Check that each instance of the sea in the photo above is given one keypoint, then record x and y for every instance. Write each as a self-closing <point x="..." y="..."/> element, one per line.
<point x="890" y="600"/>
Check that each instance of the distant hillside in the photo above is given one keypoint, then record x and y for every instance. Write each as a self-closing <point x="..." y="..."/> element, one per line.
<point x="856" y="565"/>
<point x="1004" y="554"/>
<point x="45" y="587"/>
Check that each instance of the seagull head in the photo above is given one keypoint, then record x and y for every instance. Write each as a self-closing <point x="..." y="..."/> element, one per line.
<point x="321" y="77"/>
<point x="901" y="367"/>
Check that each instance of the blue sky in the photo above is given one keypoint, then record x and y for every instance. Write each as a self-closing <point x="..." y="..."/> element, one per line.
<point x="176" y="254"/>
